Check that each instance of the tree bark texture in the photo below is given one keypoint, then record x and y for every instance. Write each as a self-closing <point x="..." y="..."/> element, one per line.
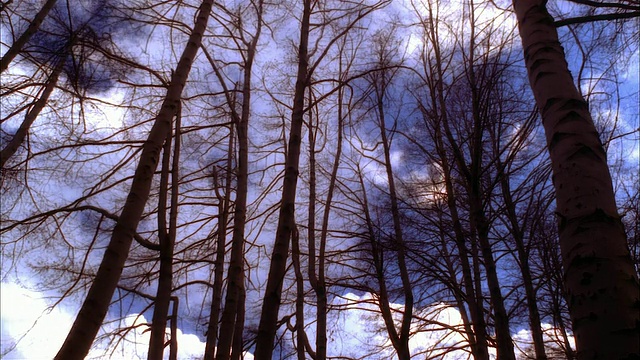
<point x="95" y="306"/>
<point x="599" y="275"/>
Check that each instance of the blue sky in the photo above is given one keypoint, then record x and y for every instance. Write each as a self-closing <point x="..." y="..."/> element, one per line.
<point x="26" y="307"/>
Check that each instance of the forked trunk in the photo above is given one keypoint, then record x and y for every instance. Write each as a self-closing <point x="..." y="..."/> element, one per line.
<point x="173" y="342"/>
<point x="314" y="277"/>
<point x="218" y="262"/>
<point x="472" y="173"/>
<point x="321" y="287"/>
<point x="302" y="342"/>
<point x="232" y="322"/>
<point x="377" y="257"/>
<point x="523" y="257"/>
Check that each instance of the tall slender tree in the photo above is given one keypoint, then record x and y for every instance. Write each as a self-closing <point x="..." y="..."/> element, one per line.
<point x="271" y="305"/>
<point x="96" y="304"/>
<point x="234" y="305"/>
<point x="381" y="82"/>
<point x="166" y="240"/>
<point x="305" y="70"/>
<point x="224" y="206"/>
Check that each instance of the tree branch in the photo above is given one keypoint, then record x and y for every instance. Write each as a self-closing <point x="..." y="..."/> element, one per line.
<point x="593" y="18"/>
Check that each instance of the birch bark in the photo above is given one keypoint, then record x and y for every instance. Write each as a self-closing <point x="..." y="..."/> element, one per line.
<point x="599" y="275"/>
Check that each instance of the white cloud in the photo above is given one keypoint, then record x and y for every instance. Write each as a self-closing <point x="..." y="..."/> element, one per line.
<point x="553" y="340"/>
<point x="31" y="330"/>
<point x="135" y="343"/>
<point x="438" y="331"/>
<point x="363" y="329"/>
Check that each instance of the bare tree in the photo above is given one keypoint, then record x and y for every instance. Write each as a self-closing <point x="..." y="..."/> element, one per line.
<point x="271" y="305"/>
<point x="381" y="81"/>
<point x="63" y="46"/>
<point x="19" y="136"/>
<point x="305" y="71"/>
<point x="166" y="240"/>
<point x="233" y="314"/>
<point x="224" y="206"/>
<point x="96" y="304"/>
<point x="423" y="192"/>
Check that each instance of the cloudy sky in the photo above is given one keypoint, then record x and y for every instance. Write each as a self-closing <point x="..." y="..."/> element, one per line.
<point x="33" y="329"/>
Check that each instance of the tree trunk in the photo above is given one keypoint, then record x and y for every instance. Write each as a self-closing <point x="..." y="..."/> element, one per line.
<point x="314" y="279"/>
<point x="302" y="342"/>
<point x="167" y="241"/>
<point x="321" y="291"/>
<point x="18" y="138"/>
<point x="236" y="265"/>
<point x="33" y="27"/>
<point x="173" y="343"/>
<point x="234" y="301"/>
<point x="439" y="120"/>
<point x="377" y="256"/>
<point x="238" y="332"/>
<point x="523" y="258"/>
<point x="96" y="304"/>
<point x="398" y="240"/>
<point x="456" y="289"/>
<point x="472" y="289"/>
<point x="599" y="275"/>
<point x="272" y="297"/>
<point x="473" y="294"/>
<point x="472" y="174"/>
<point x="221" y="243"/>
<point x="504" y="343"/>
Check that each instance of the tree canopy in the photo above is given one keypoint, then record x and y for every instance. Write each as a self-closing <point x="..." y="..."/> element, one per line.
<point x="320" y="179"/>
